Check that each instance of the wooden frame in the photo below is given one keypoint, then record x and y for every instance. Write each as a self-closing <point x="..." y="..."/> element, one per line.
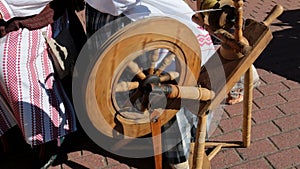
<point x="259" y="35"/>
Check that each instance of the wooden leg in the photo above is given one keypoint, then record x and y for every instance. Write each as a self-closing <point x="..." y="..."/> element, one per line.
<point x="199" y="150"/>
<point x="156" y="138"/>
<point x="247" y="107"/>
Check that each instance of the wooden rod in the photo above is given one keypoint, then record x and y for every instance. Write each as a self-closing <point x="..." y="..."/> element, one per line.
<point x="247" y="107"/>
<point x="155" y="123"/>
<point x="214" y="152"/>
<point x="238" y="33"/>
<point x="199" y="149"/>
<point x="224" y="144"/>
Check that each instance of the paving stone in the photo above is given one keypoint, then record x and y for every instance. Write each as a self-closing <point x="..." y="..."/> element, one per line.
<point x="259" y="163"/>
<point x="225" y="158"/>
<point x="291" y="84"/>
<point x="272" y="78"/>
<point x="232" y="136"/>
<point x="289" y="122"/>
<point x="90" y="161"/>
<point x="285" y="159"/>
<point x="111" y="161"/>
<point x="287" y="139"/>
<point x="264" y="115"/>
<point x="269" y="101"/>
<point x="237" y="109"/>
<point x="291" y="95"/>
<point x="257" y="93"/>
<point x="257" y="149"/>
<point x="272" y="89"/>
<point x="234" y="110"/>
<point x="75" y="154"/>
<point x="264" y="130"/>
<point x="290" y="107"/>
<point x="234" y="123"/>
<point x="216" y="133"/>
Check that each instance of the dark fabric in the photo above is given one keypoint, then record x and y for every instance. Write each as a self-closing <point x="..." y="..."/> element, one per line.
<point x="47" y="16"/>
<point x="96" y="20"/>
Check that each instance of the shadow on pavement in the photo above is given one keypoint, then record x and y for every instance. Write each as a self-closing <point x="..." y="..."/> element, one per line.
<point x="282" y="56"/>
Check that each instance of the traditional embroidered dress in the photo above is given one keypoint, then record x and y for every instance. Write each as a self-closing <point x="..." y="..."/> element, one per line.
<point x="38" y="103"/>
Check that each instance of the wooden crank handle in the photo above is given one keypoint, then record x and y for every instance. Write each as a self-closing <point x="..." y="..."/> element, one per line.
<point x="275" y="12"/>
<point x="191" y="92"/>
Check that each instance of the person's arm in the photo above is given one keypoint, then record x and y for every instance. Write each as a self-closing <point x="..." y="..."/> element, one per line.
<point x="21" y="8"/>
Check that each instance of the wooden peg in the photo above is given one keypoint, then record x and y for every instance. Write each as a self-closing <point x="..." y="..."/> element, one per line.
<point x="275" y="12"/>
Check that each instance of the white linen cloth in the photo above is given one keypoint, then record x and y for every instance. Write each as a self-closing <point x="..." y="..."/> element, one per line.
<point x="28" y="84"/>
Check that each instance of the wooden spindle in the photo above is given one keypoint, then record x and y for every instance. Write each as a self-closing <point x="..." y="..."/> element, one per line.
<point x="238" y="32"/>
<point x="153" y="58"/>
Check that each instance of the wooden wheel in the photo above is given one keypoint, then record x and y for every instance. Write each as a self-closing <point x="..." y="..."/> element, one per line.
<point x="128" y="74"/>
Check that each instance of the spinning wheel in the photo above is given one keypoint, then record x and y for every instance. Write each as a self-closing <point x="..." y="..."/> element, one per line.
<point x="131" y="83"/>
<point x="131" y="78"/>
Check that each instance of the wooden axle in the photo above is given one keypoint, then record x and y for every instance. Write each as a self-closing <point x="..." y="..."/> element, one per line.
<point x="184" y="92"/>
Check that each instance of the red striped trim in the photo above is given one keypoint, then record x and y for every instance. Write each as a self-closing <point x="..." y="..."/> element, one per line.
<point x="11" y="54"/>
<point x="4" y="11"/>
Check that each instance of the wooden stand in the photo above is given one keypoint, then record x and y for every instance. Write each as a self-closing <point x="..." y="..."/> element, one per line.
<point x="156" y="138"/>
<point x="259" y="35"/>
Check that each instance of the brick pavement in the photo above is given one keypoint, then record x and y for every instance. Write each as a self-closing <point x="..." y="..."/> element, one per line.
<point x="275" y="138"/>
<point x="275" y="141"/>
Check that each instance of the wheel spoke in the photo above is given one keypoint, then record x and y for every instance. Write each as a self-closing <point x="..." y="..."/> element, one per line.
<point x="153" y="58"/>
<point x="169" y="76"/>
<point x="134" y="67"/>
<point x="126" y="86"/>
<point x="165" y="63"/>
